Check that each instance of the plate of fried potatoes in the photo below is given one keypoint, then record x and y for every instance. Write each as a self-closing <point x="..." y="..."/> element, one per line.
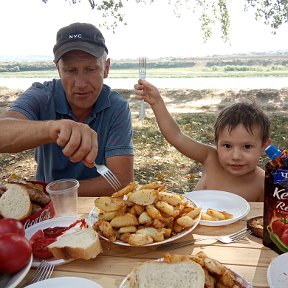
<point x="215" y="274"/>
<point x="143" y="215"/>
<point x="219" y="207"/>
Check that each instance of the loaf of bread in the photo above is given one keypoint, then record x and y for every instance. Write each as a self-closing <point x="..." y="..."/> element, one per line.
<point x="15" y="202"/>
<point x="185" y="274"/>
<point x="83" y="244"/>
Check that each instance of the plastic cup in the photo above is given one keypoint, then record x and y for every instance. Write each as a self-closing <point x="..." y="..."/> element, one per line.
<point x="64" y="196"/>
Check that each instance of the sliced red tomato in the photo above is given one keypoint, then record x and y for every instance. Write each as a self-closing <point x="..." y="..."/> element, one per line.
<point x="37" y="236"/>
<point x="54" y="232"/>
<point x="40" y="249"/>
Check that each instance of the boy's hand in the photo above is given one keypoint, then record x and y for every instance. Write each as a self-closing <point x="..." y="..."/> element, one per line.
<point x="147" y="92"/>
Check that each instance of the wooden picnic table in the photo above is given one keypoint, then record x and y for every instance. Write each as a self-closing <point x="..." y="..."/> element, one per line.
<point x="248" y="258"/>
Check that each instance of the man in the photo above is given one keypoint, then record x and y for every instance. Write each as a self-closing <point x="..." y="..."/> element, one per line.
<point x="80" y="103"/>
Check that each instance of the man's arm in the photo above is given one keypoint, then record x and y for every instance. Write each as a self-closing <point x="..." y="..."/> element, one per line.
<point x="122" y="168"/>
<point x="78" y="140"/>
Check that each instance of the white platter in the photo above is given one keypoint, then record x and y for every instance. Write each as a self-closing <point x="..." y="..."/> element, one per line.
<point x="221" y="201"/>
<point x="93" y="217"/>
<point x="241" y="281"/>
<point x="59" y="221"/>
<point x="11" y="281"/>
<point x="71" y="282"/>
<point x="277" y="272"/>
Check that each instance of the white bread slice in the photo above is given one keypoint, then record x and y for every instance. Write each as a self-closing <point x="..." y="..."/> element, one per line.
<point x="185" y="274"/>
<point x="83" y="244"/>
<point x="15" y="202"/>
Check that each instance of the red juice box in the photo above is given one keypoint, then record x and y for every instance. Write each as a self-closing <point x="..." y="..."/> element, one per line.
<point x="275" y="234"/>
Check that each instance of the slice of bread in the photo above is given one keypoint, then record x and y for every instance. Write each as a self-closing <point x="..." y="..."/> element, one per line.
<point x="83" y="244"/>
<point x="15" y="202"/>
<point x="185" y="274"/>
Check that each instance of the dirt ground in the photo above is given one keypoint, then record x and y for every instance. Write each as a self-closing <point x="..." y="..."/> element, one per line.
<point x="178" y="101"/>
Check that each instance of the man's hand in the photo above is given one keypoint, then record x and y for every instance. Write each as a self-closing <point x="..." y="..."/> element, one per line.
<point x="78" y="140"/>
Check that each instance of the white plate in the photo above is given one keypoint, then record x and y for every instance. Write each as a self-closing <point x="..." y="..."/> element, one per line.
<point x="11" y="281"/>
<point x="71" y="282"/>
<point x="59" y="221"/>
<point x="93" y="217"/>
<point x="241" y="281"/>
<point x="277" y="272"/>
<point x="221" y="201"/>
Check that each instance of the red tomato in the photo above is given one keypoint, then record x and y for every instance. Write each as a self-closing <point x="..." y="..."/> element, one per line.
<point x="284" y="237"/>
<point x="15" y="252"/>
<point x="40" y="249"/>
<point x="277" y="226"/>
<point x="10" y="225"/>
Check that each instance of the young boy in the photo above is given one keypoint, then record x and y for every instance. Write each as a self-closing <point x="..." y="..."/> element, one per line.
<point x="242" y="132"/>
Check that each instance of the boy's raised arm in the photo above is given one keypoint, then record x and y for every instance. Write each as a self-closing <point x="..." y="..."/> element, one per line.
<point x="168" y="126"/>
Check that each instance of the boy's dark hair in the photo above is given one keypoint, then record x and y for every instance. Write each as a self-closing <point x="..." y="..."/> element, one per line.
<point x="247" y="114"/>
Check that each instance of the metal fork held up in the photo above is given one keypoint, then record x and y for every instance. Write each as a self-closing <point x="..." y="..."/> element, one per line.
<point x="142" y="75"/>
<point x="238" y="236"/>
<point x="43" y="272"/>
<point x="109" y="176"/>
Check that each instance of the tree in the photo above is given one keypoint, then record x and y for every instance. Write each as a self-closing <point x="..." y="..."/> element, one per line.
<point x="212" y="12"/>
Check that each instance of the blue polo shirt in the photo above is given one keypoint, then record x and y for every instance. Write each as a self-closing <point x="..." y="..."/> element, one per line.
<point x="110" y="118"/>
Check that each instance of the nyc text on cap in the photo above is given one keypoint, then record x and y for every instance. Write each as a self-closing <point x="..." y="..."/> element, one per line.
<point x="79" y="36"/>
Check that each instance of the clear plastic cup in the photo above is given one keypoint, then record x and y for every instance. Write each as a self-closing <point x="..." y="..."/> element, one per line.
<point x="64" y="196"/>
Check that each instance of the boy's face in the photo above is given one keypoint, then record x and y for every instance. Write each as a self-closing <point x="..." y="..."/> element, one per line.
<point x="239" y="151"/>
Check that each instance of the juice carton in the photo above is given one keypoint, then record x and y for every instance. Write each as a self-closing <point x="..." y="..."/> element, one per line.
<point x="275" y="234"/>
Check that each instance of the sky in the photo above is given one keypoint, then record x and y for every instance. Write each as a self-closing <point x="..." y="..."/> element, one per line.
<point x="29" y="27"/>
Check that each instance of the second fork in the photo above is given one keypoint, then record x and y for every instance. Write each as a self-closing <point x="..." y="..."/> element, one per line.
<point x="142" y="75"/>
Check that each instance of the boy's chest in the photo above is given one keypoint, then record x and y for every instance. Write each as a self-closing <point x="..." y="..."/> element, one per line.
<point x="249" y="188"/>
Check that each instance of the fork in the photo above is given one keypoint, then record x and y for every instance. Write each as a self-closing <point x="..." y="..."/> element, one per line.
<point x="142" y="75"/>
<point x="238" y="236"/>
<point x="44" y="271"/>
<point x="109" y="176"/>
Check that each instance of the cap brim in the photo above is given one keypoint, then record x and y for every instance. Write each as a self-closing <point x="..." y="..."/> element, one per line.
<point x="92" y="49"/>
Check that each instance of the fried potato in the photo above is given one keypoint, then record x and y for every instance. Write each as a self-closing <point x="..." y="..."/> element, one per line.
<point x="105" y="229"/>
<point x="194" y="213"/>
<point x="108" y="204"/>
<point x="127" y="219"/>
<point x="143" y="197"/>
<point x="167" y="208"/>
<point x="228" y="278"/>
<point x="214" y="266"/>
<point x="108" y="216"/>
<point x="137" y="209"/>
<point x="153" y="232"/>
<point x="127" y="229"/>
<point x="215" y="214"/>
<point x="153" y="185"/>
<point x="167" y="232"/>
<point x="153" y="212"/>
<point x="129" y="188"/>
<point x="185" y="221"/>
<point x="171" y="198"/>
<point x="227" y="215"/>
<point x="140" y="239"/>
<point x="205" y="216"/>
<point x="144" y="218"/>
<point x="124" y="237"/>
